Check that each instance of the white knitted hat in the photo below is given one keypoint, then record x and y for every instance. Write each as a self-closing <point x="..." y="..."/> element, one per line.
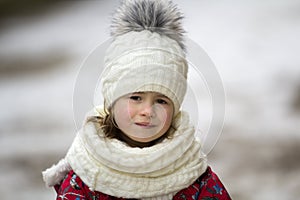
<point x="147" y="53"/>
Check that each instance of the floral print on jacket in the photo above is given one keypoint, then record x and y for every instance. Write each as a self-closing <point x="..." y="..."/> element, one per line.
<point x="207" y="187"/>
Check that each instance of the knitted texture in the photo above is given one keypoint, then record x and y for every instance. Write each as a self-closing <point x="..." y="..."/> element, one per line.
<point x="145" y="62"/>
<point x="156" y="172"/>
<point x="147" y="53"/>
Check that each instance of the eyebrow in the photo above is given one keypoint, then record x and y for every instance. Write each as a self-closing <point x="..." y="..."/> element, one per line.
<point x="158" y="94"/>
<point x="137" y="93"/>
<point x="163" y="96"/>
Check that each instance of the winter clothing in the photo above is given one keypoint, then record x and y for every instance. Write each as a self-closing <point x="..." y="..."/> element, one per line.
<point x="206" y="187"/>
<point x="146" y="54"/>
<point x="100" y="161"/>
<point x="144" y="61"/>
<point x="95" y="163"/>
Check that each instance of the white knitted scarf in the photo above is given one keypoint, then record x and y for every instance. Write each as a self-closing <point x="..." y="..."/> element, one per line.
<point x="156" y="172"/>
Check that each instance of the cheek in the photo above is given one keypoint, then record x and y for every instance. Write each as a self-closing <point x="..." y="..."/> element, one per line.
<point x="130" y="112"/>
<point x="123" y="113"/>
<point x="168" y="120"/>
<point x="165" y="116"/>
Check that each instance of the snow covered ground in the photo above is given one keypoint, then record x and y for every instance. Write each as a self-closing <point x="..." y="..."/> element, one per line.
<point x="254" y="44"/>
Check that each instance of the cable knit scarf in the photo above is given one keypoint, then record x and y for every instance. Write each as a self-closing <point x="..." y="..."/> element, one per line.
<point x="156" y="172"/>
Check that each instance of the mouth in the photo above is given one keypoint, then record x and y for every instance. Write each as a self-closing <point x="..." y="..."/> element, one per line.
<point x="145" y="124"/>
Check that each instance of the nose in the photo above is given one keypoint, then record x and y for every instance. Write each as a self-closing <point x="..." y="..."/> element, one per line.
<point x="147" y="109"/>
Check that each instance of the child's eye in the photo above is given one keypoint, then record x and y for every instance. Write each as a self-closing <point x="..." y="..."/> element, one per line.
<point x="135" y="98"/>
<point x="161" y="101"/>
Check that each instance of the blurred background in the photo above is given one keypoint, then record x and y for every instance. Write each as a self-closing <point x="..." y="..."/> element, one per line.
<point x="254" y="44"/>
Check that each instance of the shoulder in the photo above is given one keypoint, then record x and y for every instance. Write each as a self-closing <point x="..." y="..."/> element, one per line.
<point x="72" y="187"/>
<point x="207" y="186"/>
<point x="211" y="185"/>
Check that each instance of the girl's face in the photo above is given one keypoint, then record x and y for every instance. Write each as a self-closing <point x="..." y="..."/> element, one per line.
<point x="143" y="116"/>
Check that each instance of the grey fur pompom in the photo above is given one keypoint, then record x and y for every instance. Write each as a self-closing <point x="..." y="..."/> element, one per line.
<point x="161" y="16"/>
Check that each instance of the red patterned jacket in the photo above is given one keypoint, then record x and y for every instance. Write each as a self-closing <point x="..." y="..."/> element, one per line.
<point x="207" y="187"/>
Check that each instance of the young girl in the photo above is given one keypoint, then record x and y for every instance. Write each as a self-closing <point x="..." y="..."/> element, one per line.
<point x="140" y="145"/>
